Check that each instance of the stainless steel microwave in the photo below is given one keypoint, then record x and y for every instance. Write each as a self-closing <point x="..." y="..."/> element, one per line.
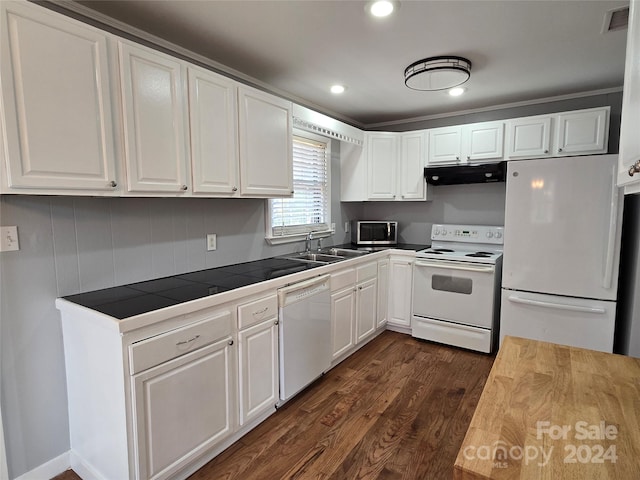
<point x="374" y="232"/>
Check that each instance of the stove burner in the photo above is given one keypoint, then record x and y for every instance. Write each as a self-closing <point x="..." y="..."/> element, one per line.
<point x="479" y="254"/>
<point x="442" y="250"/>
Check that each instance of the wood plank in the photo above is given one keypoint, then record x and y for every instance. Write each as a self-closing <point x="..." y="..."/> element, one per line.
<point x="573" y="391"/>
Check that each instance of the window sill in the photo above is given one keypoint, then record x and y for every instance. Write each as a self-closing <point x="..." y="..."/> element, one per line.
<point x="300" y="237"/>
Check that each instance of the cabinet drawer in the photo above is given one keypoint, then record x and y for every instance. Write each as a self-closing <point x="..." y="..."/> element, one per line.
<point x="365" y="272"/>
<point x="161" y="348"/>
<point x="343" y="279"/>
<point x="257" y="311"/>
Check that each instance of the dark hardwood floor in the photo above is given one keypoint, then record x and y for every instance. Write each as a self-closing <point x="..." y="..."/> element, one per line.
<point x="397" y="409"/>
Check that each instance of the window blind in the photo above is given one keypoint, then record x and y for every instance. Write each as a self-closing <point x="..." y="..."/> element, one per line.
<point x="308" y="209"/>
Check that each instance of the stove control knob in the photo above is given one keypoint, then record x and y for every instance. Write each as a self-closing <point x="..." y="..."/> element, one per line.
<point x="437" y="232"/>
<point x="489" y="234"/>
<point x="498" y="234"/>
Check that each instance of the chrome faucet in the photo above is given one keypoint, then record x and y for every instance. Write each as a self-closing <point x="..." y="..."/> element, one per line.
<point x="307" y="243"/>
<point x="319" y="244"/>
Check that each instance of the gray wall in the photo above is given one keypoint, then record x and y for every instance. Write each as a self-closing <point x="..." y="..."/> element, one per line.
<point x="76" y="244"/>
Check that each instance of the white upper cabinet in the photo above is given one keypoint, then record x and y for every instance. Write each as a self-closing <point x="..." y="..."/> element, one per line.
<point x="382" y="160"/>
<point x="528" y="137"/>
<point x="477" y="142"/>
<point x="445" y="145"/>
<point x="213" y="123"/>
<point x="629" y="157"/>
<point x="582" y="132"/>
<point x="155" y="120"/>
<point x="266" y="144"/>
<point x="483" y="141"/>
<point x="56" y="95"/>
<point x="413" y="157"/>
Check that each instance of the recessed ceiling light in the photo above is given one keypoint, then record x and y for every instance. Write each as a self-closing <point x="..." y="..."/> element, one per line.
<point x="381" y="8"/>
<point x="337" y="89"/>
<point x="456" y="92"/>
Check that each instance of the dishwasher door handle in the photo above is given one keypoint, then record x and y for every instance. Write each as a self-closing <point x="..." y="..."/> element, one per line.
<point x="312" y="282"/>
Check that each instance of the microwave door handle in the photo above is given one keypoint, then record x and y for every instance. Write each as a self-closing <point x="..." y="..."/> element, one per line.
<point x="389" y="231"/>
<point x="611" y="238"/>
<point x="455" y="266"/>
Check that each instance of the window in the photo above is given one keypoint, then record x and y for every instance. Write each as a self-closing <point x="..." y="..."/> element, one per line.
<point x="309" y="208"/>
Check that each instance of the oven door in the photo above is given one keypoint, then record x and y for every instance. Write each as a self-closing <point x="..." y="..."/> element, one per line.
<point x="458" y="292"/>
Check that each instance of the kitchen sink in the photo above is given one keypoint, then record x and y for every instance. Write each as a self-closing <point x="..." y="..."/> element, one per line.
<point x="345" y="252"/>
<point x="314" y="257"/>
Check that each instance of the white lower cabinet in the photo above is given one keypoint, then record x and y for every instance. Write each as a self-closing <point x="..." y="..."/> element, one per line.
<point x="343" y="314"/>
<point x="258" y="358"/>
<point x="184" y="407"/>
<point x="366" y="300"/>
<point x="400" y="287"/>
<point x="383" y="293"/>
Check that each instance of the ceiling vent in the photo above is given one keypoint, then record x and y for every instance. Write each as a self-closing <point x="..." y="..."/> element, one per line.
<point x="617" y="19"/>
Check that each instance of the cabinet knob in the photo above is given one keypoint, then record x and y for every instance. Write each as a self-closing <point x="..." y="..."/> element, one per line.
<point x="184" y="188"/>
<point x="559" y="150"/>
<point x="113" y="184"/>
<point x="635" y="168"/>
<point x="546" y="151"/>
<point x="234" y="189"/>
<point x="468" y="157"/>
<point x="230" y="342"/>
<point x="276" y="322"/>
<point x="457" y="158"/>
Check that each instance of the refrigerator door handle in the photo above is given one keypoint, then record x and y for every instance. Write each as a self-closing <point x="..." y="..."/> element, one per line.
<point x="611" y="237"/>
<point x="557" y="306"/>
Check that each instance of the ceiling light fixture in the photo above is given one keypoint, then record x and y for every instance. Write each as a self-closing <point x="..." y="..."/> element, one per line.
<point x="457" y="91"/>
<point x="337" y="89"/>
<point x="381" y="8"/>
<point x="437" y="73"/>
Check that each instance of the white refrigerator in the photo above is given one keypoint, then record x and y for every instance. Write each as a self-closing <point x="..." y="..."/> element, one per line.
<point x="561" y="251"/>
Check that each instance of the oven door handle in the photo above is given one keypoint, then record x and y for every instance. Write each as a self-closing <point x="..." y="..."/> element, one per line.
<point x="456" y="266"/>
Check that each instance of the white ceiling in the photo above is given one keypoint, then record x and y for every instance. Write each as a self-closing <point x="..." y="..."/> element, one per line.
<point x="520" y="50"/>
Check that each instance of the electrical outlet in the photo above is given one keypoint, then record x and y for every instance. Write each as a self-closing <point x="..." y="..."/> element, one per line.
<point x="211" y="242"/>
<point x="9" y="239"/>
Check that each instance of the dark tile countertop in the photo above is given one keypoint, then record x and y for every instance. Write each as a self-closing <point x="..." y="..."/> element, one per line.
<point x="142" y="297"/>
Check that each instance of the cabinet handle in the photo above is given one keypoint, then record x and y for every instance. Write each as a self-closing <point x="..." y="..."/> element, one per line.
<point x="113" y="184"/>
<point x="230" y="342"/>
<point x="559" y="150"/>
<point x="184" y="342"/>
<point x="635" y="168"/>
<point x="276" y="322"/>
<point x="457" y="158"/>
<point x="260" y="312"/>
<point x="184" y="188"/>
<point x="546" y="151"/>
<point x="234" y="189"/>
<point x="468" y="157"/>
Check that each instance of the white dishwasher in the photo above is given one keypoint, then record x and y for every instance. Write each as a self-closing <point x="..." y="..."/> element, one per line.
<point x="305" y="334"/>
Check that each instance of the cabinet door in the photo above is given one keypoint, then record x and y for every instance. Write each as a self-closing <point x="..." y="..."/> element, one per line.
<point x="266" y="144"/>
<point x="182" y="408"/>
<point x="213" y="132"/>
<point x="445" y="145"/>
<point x="483" y="141"/>
<point x="629" y="138"/>
<point x="365" y="309"/>
<point x="383" y="293"/>
<point x="413" y="157"/>
<point x="529" y="137"/>
<point x="401" y="273"/>
<point x="583" y="132"/>
<point x="343" y="311"/>
<point x="382" y="157"/>
<point x="155" y="120"/>
<point x="55" y="89"/>
<point x="258" y="369"/>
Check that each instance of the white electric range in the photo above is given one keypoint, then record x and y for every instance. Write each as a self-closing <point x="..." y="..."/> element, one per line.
<point x="456" y="286"/>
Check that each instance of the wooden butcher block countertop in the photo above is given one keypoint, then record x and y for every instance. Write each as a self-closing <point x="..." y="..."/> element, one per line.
<point x="555" y="412"/>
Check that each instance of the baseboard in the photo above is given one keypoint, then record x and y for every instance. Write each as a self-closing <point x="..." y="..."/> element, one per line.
<point x="50" y="469"/>
<point x="84" y="470"/>
<point x="399" y="329"/>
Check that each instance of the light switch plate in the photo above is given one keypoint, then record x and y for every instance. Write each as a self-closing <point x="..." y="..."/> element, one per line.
<point x="9" y="239"/>
<point x="211" y="242"/>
